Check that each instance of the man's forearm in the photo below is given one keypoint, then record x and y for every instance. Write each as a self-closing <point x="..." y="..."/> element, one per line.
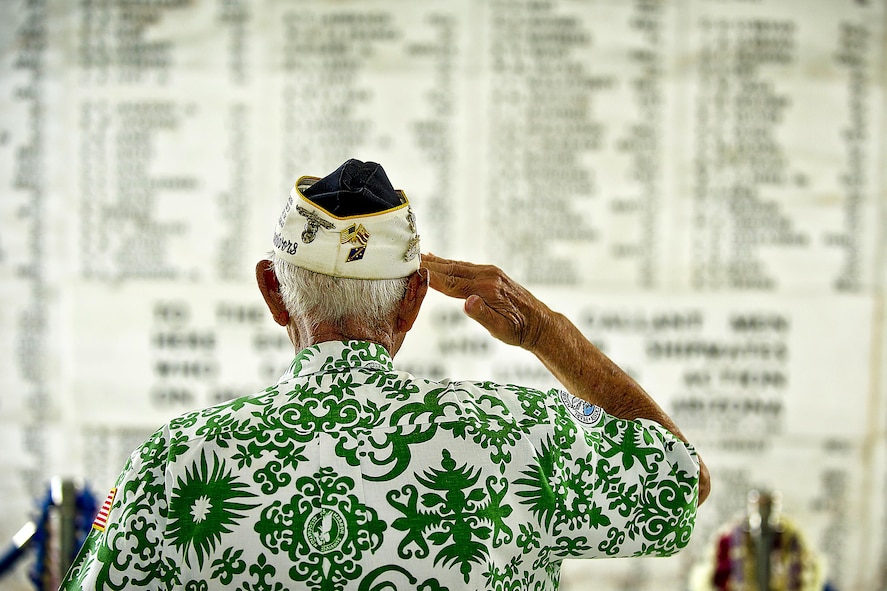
<point x="589" y="374"/>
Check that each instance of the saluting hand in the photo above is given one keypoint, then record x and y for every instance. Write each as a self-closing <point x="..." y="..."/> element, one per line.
<point x="498" y="303"/>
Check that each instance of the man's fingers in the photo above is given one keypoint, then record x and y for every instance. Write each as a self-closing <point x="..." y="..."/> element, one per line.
<point x="491" y="298"/>
<point x="452" y="278"/>
<point x="459" y="287"/>
<point x="449" y="284"/>
<point x="452" y="267"/>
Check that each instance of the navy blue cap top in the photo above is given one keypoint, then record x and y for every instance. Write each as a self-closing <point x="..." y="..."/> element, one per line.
<point x="355" y="188"/>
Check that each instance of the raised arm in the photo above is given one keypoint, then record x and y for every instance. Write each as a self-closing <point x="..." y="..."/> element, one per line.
<point x="515" y="316"/>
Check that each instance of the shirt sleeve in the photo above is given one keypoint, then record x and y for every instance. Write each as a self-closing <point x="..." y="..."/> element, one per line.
<point x="621" y="487"/>
<point x="124" y="547"/>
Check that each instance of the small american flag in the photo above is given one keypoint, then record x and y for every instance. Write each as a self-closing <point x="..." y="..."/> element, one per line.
<point x="101" y="520"/>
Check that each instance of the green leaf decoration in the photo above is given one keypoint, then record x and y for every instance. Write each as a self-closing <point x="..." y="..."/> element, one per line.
<point x="205" y="504"/>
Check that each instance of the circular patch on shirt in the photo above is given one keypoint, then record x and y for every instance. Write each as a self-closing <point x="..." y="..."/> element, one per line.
<point x="585" y="412"/>
<point x="325" y="529"/>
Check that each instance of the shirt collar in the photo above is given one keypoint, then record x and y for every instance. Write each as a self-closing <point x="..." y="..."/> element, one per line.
<point x="339" y="356"/>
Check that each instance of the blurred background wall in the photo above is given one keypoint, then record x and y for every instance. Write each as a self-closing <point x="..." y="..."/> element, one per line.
<point x="697" y="183"/>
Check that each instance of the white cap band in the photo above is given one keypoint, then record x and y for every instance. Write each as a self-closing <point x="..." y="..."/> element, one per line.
<point x="382" y="245"/>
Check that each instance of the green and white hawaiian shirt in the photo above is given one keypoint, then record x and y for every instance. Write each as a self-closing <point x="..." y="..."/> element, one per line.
<point x="348" y="474"/>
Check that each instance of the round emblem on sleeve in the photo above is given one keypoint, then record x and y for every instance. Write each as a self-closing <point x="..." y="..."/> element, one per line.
<point x="325" y="529"/>
<point x="585" y="412"/>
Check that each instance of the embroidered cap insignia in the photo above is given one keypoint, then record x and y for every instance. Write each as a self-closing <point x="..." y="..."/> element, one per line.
<point x="412" y="249"/>
<point x="313" y="222"/>
<point x="357" y="235"/>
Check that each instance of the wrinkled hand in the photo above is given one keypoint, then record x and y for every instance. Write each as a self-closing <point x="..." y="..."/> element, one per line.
<point x="501" y="305"/>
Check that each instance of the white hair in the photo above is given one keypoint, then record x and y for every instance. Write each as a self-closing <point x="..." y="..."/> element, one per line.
<point x="316" y="298"/>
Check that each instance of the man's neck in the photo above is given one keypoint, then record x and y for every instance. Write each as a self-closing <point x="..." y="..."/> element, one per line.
<point x="303" y="337"/>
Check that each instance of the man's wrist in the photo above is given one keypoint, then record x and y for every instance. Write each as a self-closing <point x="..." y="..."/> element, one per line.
<point x="544" y="331"/>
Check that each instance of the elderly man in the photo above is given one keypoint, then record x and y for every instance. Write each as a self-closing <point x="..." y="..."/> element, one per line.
<point x="348" y="474"/>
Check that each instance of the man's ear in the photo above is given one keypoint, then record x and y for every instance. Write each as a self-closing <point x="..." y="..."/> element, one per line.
<point x="417" y="287"/>
<point x="270" y="289"/>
